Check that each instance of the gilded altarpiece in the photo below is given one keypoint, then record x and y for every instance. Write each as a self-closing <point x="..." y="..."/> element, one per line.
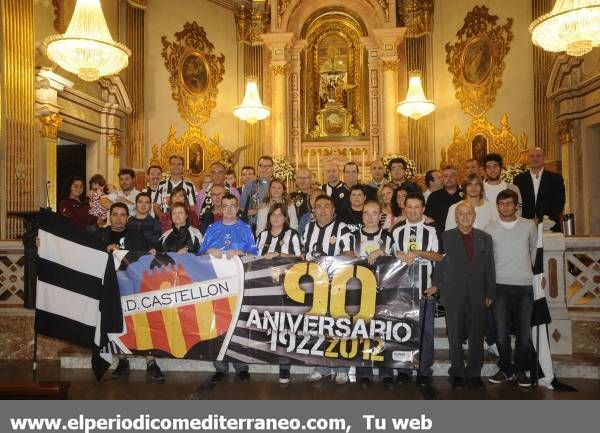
<point x="195" y="73"/>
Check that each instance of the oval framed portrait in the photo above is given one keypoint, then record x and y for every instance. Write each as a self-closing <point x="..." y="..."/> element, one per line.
<point x="193" y="73"/>
<point x="477" y="61"/>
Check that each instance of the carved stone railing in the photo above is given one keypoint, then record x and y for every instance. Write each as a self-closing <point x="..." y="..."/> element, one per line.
<point x="572" y="271"/>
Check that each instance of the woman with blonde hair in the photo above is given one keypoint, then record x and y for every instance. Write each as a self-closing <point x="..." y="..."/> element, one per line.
<point x="485" y="212"/>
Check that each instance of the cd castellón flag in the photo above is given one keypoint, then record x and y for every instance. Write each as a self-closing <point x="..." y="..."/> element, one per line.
<point x="332" y="311"/>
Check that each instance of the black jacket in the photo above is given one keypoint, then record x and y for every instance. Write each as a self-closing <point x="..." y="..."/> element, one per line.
<point x="550" y="199"/>
<point x="130" y="239"/>
<point x="177" y="238"/>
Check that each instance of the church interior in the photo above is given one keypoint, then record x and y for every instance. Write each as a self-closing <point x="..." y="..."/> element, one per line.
<point x="312" y="83"/>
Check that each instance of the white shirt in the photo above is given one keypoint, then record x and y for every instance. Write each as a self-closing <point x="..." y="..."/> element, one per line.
<point x="426" y="194"/>
<point x="261" y="218"/>
<point x="114" y="196"/>
<point x="536" y="182"/>
<point x="484" y="214"/>
<point x="490" y="191"/>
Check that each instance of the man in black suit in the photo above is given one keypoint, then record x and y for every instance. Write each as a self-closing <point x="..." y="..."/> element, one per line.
<point x="467" y="283"/>
<point x="542" y="191"/>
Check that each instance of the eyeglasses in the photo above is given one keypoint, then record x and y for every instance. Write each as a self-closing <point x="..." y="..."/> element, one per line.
<point x="265" y="165"/>
<point x="230" y="206"/>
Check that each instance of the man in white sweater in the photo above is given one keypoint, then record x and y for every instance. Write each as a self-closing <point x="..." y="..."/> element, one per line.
<point x="493" y="184"/>
<point x="515" y="245"/>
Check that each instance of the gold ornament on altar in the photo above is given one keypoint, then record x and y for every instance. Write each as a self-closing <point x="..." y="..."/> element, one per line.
<point x="482" y="138"/>
<point x="476" y="60"/>
<point x="195" y="72"/>
<point x="198" y="151"/>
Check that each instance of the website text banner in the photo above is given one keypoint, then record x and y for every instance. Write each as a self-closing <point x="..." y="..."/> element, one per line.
<point x="335" y="311"/>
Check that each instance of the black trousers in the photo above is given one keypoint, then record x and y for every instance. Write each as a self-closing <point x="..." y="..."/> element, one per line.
<point x="472" y="318"/>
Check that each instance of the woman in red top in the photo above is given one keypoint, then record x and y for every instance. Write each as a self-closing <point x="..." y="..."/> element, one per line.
<point x="74" y="204"/>
<point x="178" y="195"/>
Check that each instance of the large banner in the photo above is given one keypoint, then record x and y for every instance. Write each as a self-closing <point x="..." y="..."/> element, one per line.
<point x="336" y="311"/>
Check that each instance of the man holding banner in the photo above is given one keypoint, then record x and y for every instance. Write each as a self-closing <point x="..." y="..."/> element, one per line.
<point x="229" y="237"/>
<point x="417" y="242"/>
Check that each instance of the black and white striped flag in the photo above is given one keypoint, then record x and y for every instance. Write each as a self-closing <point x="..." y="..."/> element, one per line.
<point x="77" y="297"/>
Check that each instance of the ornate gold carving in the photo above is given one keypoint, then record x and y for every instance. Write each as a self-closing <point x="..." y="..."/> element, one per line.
<point x="476" y="60"/>
<point x="334" y="121"/>
<point x="139" y="4"/>
<point x="282" y="6"/>
<point x="482" y="138"/>
<point x="195" y="73"/>
<point x="416" y="16"/>
<point x="113" y="145"/>
<point x="385" y="6"/>
<point x="354" y="86"/>
<point x="191" y="144"/>
<point x="50" y="125"/>
<point x="251" y="21"/>
<point x="564" y="128"/>
<point x="390" y="65"/>
<point x="278" y="69"/>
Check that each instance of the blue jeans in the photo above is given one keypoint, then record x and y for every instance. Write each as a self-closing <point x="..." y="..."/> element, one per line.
<point x="516" y="302"/>
<point x="426" y="313"/>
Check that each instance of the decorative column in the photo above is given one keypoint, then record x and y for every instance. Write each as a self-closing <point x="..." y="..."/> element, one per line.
<point x="18" y="152"/>
<point x="295" y="103"/>
<point x="388" y="40"/>
<point x="48" y="85"/>
<point x="564" y="128"/>
<point x="113" y="151"/>
<point x="278" y="43"/>
<point x="48" y="140"/>
<point x="133" y="78"/>
<point x="374" y="92"/>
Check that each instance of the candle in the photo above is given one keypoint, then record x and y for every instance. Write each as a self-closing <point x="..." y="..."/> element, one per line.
<point x="363" y="165"/>
<point x="296" y="163"/>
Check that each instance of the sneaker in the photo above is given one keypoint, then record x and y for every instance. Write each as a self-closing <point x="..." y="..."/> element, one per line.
<point x="154" y="372"/>
<point x="500" y="377"/>
<point x="341" y="378"/>
<point x="475" y="383"/>
<point x="315" y="376"/>
<point x="388" y="382"/>
<point x="244" y="376"/>
<point x="284" y="376"/>
<point x="423" y="380"/>
<point x="403" y="378"/>
<point x="493" y="349"/>
<point x="523" y="381"/>
<point x="122" y="369"/>
<point x="364" y="382"/>
<point x="218" y="377"/>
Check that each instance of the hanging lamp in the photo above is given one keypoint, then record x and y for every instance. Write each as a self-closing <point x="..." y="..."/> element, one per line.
<point x="87" y="48"/>
<point x="572" y="26"/>
<point x="251" y="110"/>
<point x="415" y="105"/>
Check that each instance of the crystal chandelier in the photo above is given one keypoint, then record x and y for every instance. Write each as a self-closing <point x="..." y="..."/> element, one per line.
<point x="415" y="105"/>
<point x="572" y="26"/>
<point x="86" y="48"/>
<point x="251" y="110"/>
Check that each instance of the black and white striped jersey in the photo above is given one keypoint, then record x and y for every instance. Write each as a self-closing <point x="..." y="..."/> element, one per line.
<point x="330" y="240"/>
<point x="366" y="243"/>
<point x="417" y="237"/>
<point x="165" y="189"/>
<point x="287" y="242"/>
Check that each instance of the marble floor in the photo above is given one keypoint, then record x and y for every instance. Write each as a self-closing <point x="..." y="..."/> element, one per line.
<point x="197" y="385"/>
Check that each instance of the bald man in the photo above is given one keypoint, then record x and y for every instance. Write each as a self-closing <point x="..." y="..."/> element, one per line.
<point x="467" y="283"/>
<point x="542" y="191"/>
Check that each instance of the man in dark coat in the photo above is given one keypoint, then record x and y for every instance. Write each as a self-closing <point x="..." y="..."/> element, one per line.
<point x="467" y="283"/>
<point x="542" y="191"/>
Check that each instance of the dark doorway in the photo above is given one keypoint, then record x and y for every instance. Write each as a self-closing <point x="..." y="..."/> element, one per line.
<point x="70" y="161"/>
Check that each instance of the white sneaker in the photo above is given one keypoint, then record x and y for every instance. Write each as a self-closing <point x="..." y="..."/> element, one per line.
<point x="341" y="378"/>
<point x="493" y="349"/>
<point x="315" y="376"/>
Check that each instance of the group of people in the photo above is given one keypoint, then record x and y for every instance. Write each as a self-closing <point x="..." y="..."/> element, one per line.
<point x="476" y="241"/>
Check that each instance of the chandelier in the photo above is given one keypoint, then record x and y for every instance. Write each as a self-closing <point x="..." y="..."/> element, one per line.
<point x="251" y="110"/>
<point x="572" y="26"/>
<point x="415" y="105"/>
<point x="86" y="48"/>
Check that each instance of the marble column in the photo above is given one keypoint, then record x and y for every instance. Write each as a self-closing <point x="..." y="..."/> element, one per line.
<point x="113" y="152"/>
<point x="567" y="140"/>
<point x="48" y="85"/>
<point x="295" y="102"/>
<point x="387" y="41"/>
<point x="279" y="43"/>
